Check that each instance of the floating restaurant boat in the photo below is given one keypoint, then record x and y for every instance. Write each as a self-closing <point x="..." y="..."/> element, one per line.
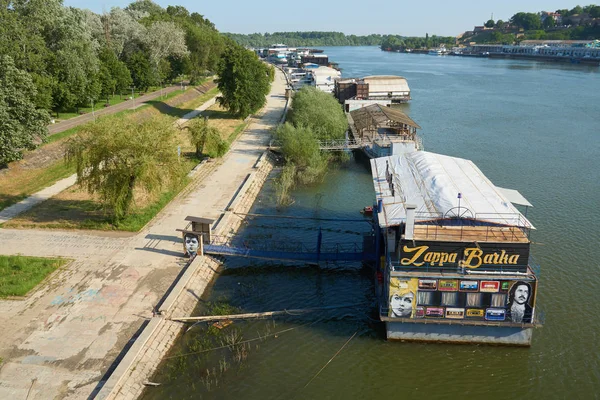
<point x="383" y="131"/>
<point x="457" y="253"/>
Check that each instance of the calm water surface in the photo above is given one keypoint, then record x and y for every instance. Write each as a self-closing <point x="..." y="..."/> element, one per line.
<point x="528" y="126"/>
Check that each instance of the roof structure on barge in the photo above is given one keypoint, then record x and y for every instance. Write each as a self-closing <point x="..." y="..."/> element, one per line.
<point x="431" y="182"/>
<point x="378" y="115"/>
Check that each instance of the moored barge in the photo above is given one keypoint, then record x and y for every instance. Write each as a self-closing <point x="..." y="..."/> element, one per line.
<point x="456" y="263"/>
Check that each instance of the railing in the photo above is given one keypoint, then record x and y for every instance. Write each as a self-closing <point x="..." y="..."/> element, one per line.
<point x="287" y="246"/>
<point x="504" y="227"/>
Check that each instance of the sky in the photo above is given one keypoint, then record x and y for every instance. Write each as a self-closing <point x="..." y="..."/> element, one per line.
<point x="398" y="17"/>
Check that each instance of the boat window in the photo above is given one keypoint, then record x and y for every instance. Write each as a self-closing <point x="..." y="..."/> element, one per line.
<point x="450" y="298"/>
<point x="498" y="300"/>
<point x="474" y="299"/>
<point x="425" y="298"/>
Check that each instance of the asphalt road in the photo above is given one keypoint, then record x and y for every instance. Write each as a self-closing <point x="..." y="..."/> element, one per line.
<point x="73" y="122"/>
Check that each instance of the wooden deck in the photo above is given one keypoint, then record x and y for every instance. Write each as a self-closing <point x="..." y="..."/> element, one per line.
<point x="494" y="234"/>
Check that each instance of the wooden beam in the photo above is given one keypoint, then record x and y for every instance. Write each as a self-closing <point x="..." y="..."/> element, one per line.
<point x="260" y="314"/>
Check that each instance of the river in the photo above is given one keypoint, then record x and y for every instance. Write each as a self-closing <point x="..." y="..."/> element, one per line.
<point x="527" y="125"/>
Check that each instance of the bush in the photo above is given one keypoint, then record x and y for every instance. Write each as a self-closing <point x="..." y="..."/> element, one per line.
<point x="320" y="112"/>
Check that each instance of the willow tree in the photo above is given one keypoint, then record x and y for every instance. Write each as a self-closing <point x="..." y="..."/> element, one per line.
<point x="207" y="139"/>
<point x="114" y="157"/>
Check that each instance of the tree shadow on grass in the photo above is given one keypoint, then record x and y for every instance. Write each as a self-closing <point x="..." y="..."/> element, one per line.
<point x="57" y="213"/>
<point x="168" y="109"/>
<point x="7" y="200"/>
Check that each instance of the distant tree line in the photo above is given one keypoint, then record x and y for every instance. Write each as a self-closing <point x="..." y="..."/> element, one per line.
<point x="296" y="39"/>
<point x="57" y="58"/>
<point x="394" y="43"/>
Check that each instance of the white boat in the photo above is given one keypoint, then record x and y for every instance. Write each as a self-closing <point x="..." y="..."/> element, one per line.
<point x="440" y="51"/>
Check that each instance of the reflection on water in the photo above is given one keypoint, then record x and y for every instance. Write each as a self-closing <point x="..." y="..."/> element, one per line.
<point x="528" y="126"/>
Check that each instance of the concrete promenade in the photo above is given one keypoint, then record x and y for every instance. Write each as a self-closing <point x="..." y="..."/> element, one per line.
<point x="60" y="340"/>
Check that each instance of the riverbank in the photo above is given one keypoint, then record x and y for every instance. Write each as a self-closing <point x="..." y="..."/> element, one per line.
<point x="68" y="333"/>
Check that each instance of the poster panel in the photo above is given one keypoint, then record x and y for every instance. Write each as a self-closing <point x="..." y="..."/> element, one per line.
<point x="489" y="286"/>
<point x="427" y="284"/>
<point x="448" y="285"/>
<point x="420" y="312"/>
<point x="519" y="302"/>
<point x="495" y="314"/>
<point x="191" y="243"/>
<point x="469" y="286"/>
<point x="434" y="312"/>
<point x="403" y="297"/>
<point x="475" y="313"/>
<point x="455" y="313"/>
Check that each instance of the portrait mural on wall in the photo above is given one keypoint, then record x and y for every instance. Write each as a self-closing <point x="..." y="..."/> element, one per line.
<point x="518" y="307"/>
<point x="191" y="243"/>
<point x="403" y="299"/>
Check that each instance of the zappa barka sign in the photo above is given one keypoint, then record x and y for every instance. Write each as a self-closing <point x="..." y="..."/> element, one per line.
<point x="444" y="255"/>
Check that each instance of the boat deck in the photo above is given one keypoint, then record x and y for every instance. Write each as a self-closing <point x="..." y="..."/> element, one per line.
<point x="496" y="234"/>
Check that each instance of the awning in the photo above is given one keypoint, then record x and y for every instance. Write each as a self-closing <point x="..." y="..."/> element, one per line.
<point x="514" y="197"/>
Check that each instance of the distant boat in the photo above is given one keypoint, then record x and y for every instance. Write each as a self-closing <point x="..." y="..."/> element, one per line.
<point x="440" y="51"/>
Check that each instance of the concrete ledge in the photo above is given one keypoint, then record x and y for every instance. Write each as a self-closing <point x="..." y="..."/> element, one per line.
<point x="191" y="269"/>
<point x="125" y="364"/>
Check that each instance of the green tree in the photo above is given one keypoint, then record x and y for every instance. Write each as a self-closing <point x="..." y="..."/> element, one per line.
<point x="207" y="139"/>
<point x="116" y="156"/>
<point x="21" y="123"/>
<point x="527" y="21"/>
<point x="549" y="23"/>
<point x="490" y="23"/>
<point x="319" y="111"/>
<point x="141" y="70"/>
<point x="243" y="81"/>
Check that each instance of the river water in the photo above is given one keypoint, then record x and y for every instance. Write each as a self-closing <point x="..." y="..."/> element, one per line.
<point x="527" y="125"/>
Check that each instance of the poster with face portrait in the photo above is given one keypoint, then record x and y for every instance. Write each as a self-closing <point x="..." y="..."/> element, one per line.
<point x="403" y="297"/>
<point x="519" y="302"/>
<point x="191" y="243"/>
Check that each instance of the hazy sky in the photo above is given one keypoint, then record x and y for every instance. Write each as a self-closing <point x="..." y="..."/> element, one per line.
<point x="408" y="18"/>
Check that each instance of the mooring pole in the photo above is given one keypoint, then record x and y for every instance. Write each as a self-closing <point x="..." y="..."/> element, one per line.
<point x="320" y="238"/>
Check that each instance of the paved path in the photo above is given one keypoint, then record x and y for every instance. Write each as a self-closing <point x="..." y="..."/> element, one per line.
<point x="58" y="342"/>
<point x="136" y="102"/>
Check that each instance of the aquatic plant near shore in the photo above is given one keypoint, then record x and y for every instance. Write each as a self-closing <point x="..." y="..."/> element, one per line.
<point x="315" y="116"/>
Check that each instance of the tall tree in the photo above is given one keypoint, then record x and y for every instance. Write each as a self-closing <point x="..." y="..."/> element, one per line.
<point x="141" y="70"/>
<point x="21" y="124"/>
<point x="115" y="156"/>
<point x="243" y="81"/>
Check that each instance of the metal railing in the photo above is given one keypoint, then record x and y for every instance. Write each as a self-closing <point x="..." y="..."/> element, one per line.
<point x="287" y="246"/>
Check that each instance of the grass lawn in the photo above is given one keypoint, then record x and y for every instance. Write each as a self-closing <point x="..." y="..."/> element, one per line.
<point x="20" y="274"/>
<point x="19" y="183"/>
<point x="22" y="181"/>
<point x="74" y="208"/>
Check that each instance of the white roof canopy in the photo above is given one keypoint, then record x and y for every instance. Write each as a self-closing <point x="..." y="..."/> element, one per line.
<point x="432" y="182"/>
<point x="514" y="197"/>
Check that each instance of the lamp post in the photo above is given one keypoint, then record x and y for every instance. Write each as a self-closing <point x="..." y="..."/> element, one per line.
<point x="93" y="114"/>
<point x="132" y="98"/>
